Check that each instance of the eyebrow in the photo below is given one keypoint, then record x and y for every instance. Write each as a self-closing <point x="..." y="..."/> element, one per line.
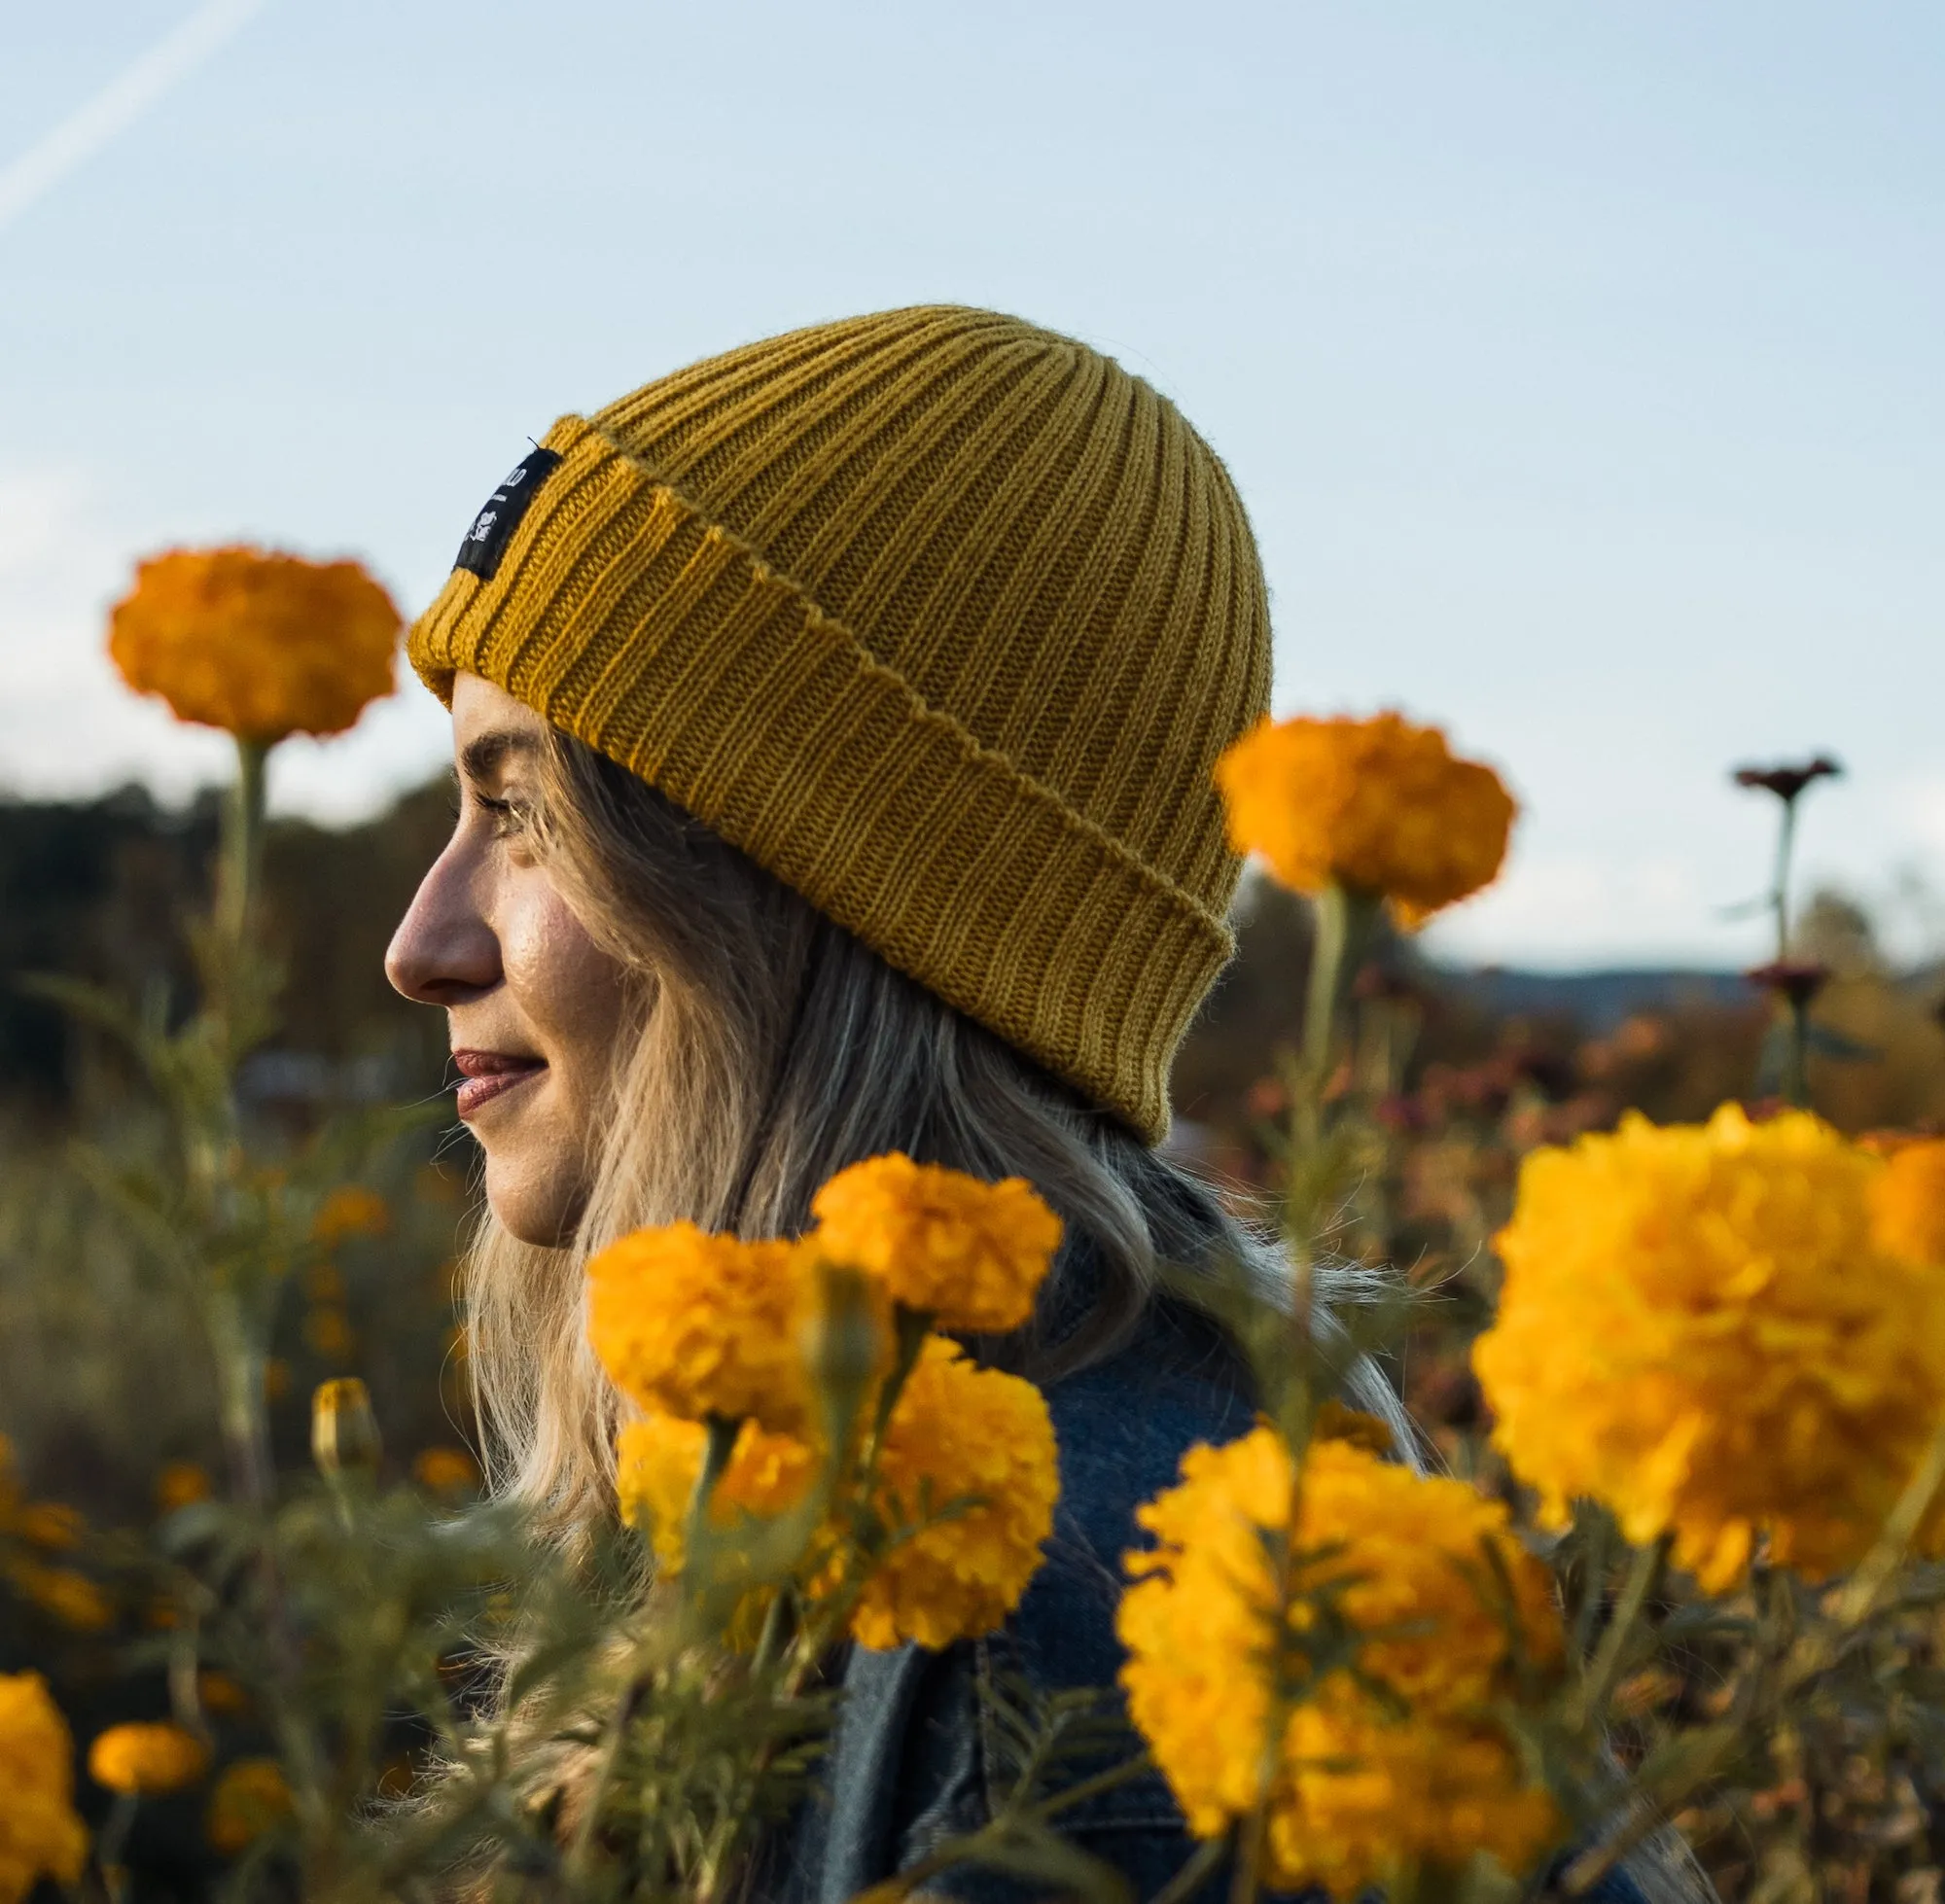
<point x="483" y="755"/>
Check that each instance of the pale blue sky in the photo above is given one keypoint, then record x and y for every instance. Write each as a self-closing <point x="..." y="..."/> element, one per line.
<point x="1579" y="363"/>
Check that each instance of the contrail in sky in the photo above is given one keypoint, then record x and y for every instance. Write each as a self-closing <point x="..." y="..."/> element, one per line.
<point x="119" y="105"/>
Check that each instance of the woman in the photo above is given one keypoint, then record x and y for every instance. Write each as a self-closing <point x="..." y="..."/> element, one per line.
<point x="835" y="721"/>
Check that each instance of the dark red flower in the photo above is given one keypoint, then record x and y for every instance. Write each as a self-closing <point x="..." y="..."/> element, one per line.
<point x="1797" y="980"/>
<point x="1787" y="782"/>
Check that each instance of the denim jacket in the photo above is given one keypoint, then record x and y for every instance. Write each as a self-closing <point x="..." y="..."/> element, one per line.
<point x="911" y="1765"/>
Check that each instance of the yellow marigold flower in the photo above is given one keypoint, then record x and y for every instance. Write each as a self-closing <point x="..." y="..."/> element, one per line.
<point x="147" y="1761"/>
<point x="71" y="1596"/>
<point x="251" y="1797"/>
<point x="350" y="1210"/>
<point x="40" y="1835"/>
<point x="181" y="1484"/>
<point x="971" y="1253"/>
<point x="1908" y="1202"/>
<point x="958" y="1431"/>
<point x="1436" y="1793"/>
<point x="659" y="1457"/>
<point x="1377" y="805"/>
<point x="1399" y="1764"/>
<point x="446" y="1471"/>
<point x="693" y="1324"/>
<point x="1700" y="1329"/>
<point x="262" y="645"/>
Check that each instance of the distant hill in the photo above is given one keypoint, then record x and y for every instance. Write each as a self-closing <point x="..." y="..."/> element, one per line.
<point x="1595" y="1001"/>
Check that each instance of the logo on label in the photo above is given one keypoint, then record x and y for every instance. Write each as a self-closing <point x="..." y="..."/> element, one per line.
<point x="493" y="527"/>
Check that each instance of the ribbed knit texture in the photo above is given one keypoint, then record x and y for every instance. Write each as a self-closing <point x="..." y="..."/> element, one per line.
<point x="941" y="619"/>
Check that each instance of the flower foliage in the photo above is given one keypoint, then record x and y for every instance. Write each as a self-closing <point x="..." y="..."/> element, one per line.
<point x="1702" y="1328"/>
<point x="40" y="1835"/>
<point x="1908" y="1202"/>
<point x="971" y="1255"/>
<point x="1387" y="1754"/>
<point x="695" y="1324"/>
<point x="262" y="645"/>
<point x="144" y="1761"/>
<point x="981" y="1438"/>
<point x="1377" y="805"/>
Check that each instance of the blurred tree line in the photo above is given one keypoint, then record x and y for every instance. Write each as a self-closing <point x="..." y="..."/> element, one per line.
<point x="98" y="889"/>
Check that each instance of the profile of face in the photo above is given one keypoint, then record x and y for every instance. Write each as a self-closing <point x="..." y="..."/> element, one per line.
<point x="533" y="1006"/>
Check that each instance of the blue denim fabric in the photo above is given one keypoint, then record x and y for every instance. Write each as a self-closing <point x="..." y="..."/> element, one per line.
<point x="908" y="1766"/>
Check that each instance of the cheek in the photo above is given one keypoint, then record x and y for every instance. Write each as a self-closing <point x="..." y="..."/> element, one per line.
<point x="569" y="991"/>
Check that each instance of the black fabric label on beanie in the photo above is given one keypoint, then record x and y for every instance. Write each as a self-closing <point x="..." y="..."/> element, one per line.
<point x="493" y="527"/>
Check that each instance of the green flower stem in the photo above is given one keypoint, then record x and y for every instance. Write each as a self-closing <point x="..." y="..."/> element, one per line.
<point x="242" y="848"/>
<point x="1785" y="846"/>
<point x="108" y="1849"/>
<point x="1343" y="917"/>
<point x="241" y="1366"/>
<point x="1797" y="1061"/>
<point x="723" y="1431"/>
<point x="1643" y="1572"/>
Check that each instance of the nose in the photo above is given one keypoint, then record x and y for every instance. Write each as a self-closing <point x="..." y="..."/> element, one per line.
<point x="445" y="951"/>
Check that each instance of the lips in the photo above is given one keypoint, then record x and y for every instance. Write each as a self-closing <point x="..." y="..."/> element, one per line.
<point x="489" y="1075"/>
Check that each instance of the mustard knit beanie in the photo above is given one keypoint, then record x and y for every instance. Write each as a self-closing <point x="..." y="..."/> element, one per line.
<point x="940" y="617"/>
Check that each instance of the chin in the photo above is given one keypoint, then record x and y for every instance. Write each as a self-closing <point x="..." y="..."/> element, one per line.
<point x="542" y="1213"/>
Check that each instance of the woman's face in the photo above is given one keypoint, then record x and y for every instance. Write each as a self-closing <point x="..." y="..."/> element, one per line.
<point x="534" y="1007"/>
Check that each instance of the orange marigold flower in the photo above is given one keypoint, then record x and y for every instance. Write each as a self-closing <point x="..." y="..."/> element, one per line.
<point x="1377" y="805"/>
<point x="221" y="1692"/>
<point x="446" y="1471"/>
<point x="659" y="1457"/>
<point x="693" y="1324"/>
<point x="259" y="643"/>
<point x="327" y="1330"/>
<point x="1394" y="1762"/>
<point x="973" y="1255"/>
<point x="969" y="1475"/>
<point x="1701" y="1328"/>
<point x="181" y="1484"/>
<point x="70" y="1595"/>
<point x="350" y="1209"/>
<point x="251" y="1797"/>
<point x="1908" y="1202"/>
<point x="41" y="1834"/>
<point x="147" y="1761"/>
<point x="51" y="1526"/>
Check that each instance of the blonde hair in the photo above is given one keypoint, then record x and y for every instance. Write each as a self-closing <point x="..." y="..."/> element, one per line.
<point x="765" y="1049"/>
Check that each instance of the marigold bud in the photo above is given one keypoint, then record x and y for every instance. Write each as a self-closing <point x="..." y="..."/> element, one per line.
<point x="343" y="1430"/>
